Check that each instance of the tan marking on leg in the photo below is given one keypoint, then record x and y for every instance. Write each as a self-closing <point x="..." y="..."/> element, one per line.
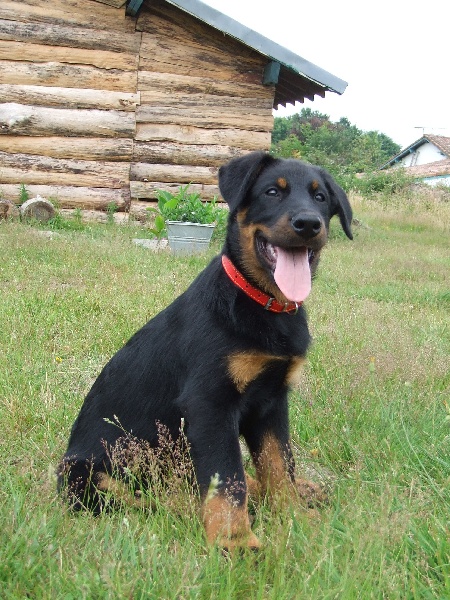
<point x="121" y="491"/>
<point x="253" y="487"/>
<point x="273" y="476"/>
<point x="228" y="525"/>
<point x="271" y="468"/>
<point x="294" y="371"/>
<point x="244" y="367"/>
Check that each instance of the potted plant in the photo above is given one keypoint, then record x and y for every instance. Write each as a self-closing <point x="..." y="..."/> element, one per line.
<point x="187" y="220"/>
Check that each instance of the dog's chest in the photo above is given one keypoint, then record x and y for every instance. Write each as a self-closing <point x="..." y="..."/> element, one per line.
<point x="246" y="367"/>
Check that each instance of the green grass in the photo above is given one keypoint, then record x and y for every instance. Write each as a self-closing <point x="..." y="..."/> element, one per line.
<point x="371" y="418"/>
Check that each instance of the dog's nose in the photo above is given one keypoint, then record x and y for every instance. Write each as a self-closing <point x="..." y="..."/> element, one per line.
<point x="306" y="225"/>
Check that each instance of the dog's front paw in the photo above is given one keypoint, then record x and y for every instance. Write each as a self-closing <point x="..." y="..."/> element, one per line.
<point x="239" y="543"/>
<point x="228" y="525"/>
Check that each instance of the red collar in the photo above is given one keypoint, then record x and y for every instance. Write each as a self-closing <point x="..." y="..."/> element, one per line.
<point x="261" y="298"/>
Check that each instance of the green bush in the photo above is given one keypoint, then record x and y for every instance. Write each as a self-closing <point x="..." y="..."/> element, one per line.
<point x="339" y="147"/>
<point x="383" y="182"/>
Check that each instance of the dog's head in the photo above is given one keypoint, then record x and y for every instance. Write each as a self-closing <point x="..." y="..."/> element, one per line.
<point x="279" y="217"/>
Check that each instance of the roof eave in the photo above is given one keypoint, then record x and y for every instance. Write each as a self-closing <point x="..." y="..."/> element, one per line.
<point x="405" y="152"/>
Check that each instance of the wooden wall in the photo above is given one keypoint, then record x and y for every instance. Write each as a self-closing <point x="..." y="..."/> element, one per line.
<point x="97" y="107"/>
<point x="68" y="94"/>
<point x="202" y="102"/>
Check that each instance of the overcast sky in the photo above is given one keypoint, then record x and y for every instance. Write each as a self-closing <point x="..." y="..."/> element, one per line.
<point x="393" y="54"/>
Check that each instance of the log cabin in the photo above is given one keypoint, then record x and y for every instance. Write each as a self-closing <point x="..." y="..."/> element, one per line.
<point x="103" y="102"/>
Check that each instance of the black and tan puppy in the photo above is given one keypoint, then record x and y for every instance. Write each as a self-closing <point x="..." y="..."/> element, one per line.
<point x="223" y="355"/>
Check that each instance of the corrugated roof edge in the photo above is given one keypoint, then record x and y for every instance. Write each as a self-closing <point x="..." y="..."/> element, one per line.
<point x="261" y="44"/>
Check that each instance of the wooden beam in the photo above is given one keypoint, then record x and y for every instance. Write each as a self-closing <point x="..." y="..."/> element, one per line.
<point x="184" y="154"/>
<point x="65" y="75"/>
<point x="44" y="170"/>
<point x="208" y="101"/>
<point x="173" y="173"/>
<point x="189" y="134"/>
<point x="153" y="82"/>
<point x="20" y="119"/>
<point x="57" y="34"/>
<point x="72" y="196"/>
<point x="40" y="95"/>
<point x="211" y="118"/>
<point x="83" y="13"/>
<point x="102" y="59"/>
<point x="84" y="148"/>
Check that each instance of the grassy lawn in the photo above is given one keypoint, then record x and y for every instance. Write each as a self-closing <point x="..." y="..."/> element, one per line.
<point x="371" y="418"/>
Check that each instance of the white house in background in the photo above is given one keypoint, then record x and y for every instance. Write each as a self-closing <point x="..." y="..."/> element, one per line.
<point x="427" y="159"/>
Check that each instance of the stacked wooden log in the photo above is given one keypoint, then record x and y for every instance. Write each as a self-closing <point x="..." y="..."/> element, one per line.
<point x="98" y="108"/>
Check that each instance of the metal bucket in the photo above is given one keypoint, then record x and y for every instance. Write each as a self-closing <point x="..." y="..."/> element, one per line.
<point x="188" y="238"/>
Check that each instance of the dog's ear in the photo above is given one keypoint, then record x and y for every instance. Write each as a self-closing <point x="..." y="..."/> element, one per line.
<point x="238" y="176"/>
<point x="341" y="205"/>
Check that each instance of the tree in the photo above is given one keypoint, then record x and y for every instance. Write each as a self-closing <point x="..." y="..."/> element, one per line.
<point x="281" y="128"/>
<point x="340" y="147"/>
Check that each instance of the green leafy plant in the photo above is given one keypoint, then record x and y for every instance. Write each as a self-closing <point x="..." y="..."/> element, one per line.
<point x="111" y="210"/>
<point x="66" y="222"/>
<point x="184" y="206"/>
<point x="23" y="194"/>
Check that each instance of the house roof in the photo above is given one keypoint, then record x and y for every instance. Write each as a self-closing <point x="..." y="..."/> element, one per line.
<point x="441" y="142"/>
<point x="294" y="77"/>
<point x="434" y="169"/>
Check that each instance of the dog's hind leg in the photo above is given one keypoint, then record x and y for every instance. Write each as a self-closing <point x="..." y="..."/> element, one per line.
<point x="88" y="488"/>
<point x="122" y="493"/>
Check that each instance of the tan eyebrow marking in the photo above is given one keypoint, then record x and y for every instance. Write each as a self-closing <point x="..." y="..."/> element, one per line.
<point x="282" y="183"/>
<point x="314" y="185"/>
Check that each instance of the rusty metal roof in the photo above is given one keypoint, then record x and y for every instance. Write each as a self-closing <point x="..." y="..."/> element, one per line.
<point x="294" y="77"/>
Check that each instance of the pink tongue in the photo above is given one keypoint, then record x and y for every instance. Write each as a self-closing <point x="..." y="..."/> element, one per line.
<point x="292" y="273"/>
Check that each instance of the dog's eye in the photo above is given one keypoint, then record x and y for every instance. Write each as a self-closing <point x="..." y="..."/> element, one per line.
<point x="319" y="197"/>
<point x="273" y="191"/>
